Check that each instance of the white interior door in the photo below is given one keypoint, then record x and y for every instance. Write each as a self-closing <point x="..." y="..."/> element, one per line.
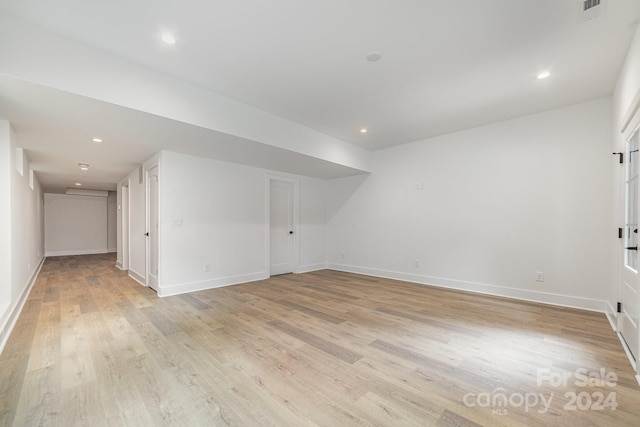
<point x="630" y="294"/>
<point x="281" y="227"/>
<point x="152" y="228"/>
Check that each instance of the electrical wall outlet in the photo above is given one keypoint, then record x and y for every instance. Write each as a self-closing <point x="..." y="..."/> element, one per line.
<point x="416" y="264"/>
<point x="539" y="276"/>
<point x="207" y="268"/>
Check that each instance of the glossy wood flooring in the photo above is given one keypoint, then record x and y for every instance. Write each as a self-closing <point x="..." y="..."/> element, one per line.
<point x="92" y="347"/>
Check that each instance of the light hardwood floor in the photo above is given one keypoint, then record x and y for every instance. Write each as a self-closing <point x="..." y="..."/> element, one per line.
<point x="92" y="347"/>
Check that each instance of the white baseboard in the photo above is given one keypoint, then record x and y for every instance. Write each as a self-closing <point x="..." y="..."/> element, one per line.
<point x="481" y="288"/>
<point x="311" y="267"/>
<point x="77" y="252"/>
<point x="10" y="317"/>
<point x="119" y="265"/>
<point x="182" y="288"/>
<point x="612" y="316"/>
<point x="623" y="343"/>
<point x="137" y="277"/>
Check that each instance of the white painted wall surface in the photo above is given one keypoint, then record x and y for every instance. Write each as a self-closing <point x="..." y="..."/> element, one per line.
<point x="487" y="208"/>
<point x="27" y="225"/>
<point x="312" y="232"/>
<point x="112" y="222"/>
<point x="214" y="213"/>
<point x="628" y="82"/>
<point x="21" y="224"/>
<point x="75" y="225"/>
<point x="6" y="171"/>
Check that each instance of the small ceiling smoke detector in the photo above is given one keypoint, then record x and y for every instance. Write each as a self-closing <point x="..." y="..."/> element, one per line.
<point x="543" y="75"/>
<point x="84" y="166"/>
<point x="374" y="56"/>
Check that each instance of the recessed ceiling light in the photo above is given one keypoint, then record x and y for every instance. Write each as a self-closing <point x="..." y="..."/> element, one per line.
<point x="363" y="130"/>
<point x="78" y="184"/>
<point x="374" y="56"/>
<point x="543" y="75"/>
<point x="97" y="140"/>
<point x="83" y="166"/>
<point x="168" y="38"/>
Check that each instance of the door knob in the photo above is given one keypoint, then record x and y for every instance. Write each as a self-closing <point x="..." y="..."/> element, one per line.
<point x="632" y="248"/>
<point x="146" y="234"/>
<point x="290" y="232"/>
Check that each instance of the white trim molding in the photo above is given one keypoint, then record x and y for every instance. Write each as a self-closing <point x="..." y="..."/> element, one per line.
<point x="311" y="267"/>
<point x="182" y="288"/>
<point x="480" y="288"/>
<point x="77" y="252"/>
<point x="612" y="316"/>
<point x="9" y="319"/>
<point x="137" y="277"/>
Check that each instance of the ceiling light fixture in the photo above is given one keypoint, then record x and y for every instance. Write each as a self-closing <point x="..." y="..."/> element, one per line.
<point x="83" y="166"/>
<point x="97" y="140"/>
<point x="374" y="56"/>
<point x="543" y="75"/>
<point x="169" y="39"/>
<point x="78" y="184"/>
<point x="363" y="130"/>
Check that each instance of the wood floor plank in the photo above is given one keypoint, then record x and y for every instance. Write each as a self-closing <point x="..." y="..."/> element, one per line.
<point x="319" y="343"/>
<point x="160" y="321"/>
<point x="431" y="322"/>
<point x="327" y="348"/>
<point x="14" y="360"/>
<point x="307" y="310"/>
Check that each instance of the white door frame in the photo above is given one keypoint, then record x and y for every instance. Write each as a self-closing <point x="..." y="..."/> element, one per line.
<point x="147" y="280"/>
<point x="125" y="195"/>
<point x="296" y="216"/>
<point x="630" y="124"/>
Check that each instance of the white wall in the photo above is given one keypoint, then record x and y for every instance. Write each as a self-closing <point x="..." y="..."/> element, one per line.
<point x="222" y="210"/>
<point x="494" y="205"/>
<point x="112" y="227"/>
<point x="5" y="216"/>
<point x="21" y="231"/>
<point x="27" y="223"/>
<point x="75" y="225"/>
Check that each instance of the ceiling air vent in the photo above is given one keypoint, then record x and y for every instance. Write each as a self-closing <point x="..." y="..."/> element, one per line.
<point x="588" y="4"/>
<point x="86" y="192"/>
<point x="590" y="9"/>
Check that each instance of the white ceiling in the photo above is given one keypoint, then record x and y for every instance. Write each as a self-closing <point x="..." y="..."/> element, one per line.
<point x="446" y="66"/>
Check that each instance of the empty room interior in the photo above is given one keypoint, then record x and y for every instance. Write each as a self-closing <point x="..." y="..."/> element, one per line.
<point x="371" y="213"/>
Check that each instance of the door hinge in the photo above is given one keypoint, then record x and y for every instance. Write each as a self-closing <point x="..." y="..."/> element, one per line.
<point x="619" y="233"/>
<point x="619" y="308"/>
<point x="621" y="156"/>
